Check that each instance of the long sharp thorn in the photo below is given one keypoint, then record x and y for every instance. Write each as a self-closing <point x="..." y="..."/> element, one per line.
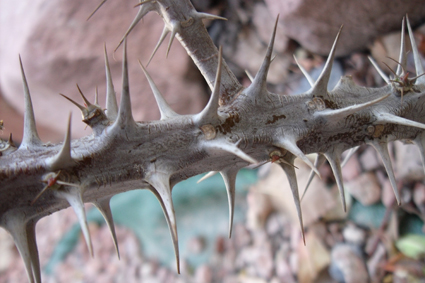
<point x="320" y="159"/>
<point x="97" y="8"/>
<point x="402" y="57"/>
<point x="105" y="209"/>
<point x="206" y="176"/>
<point x="125" y="116"/>
<point x="161" y="188"/>
<point x="142" y="2"/>
<point x="305" y="73"/>
<point x="96" y="96"/>
<point x="380" y="72"/>
<point x="170" y="42"/>
<point x="111" y="99"/>
<point x="63" y="158"/>
<point x="140" y="14"/>
<point x="76" y="202"/>
<point x="81" y="107"/>
<point x="335" y="162"/>
<point x="209" y="113"/>
<point x="416" y="57"/>
<point x="230" y="147"/>
<point x="23" y="233"/>
<point x="39" y="194"/>
<point x="165" y="31"/>
<point x="229" y="177"/>
<point x="292" y="147"/>
<point x="390" y="118"/>
<point x="164" y="108"/>
<point x="33" y="251"/>
<point x="320" y="87"/>
<point x="84" y="98"/>
<point x="292" y="178"/>
<point x="30" y="135"/>
<point x="260" y="79"/>
<point x="209" y="16"/>
<point x="349" y="110"/>
<point x="382" y="150"/>
<point x="249" y="75"/>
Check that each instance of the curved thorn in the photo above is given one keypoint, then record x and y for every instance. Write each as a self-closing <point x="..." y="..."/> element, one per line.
<point x="105" y="209"/>
<point x="97" y="8"/>
<point x="209" y="113"/>
<point x="393" y="119"/>
<point x="229" y="177"/>
<point x="206" y="176"/>
<point x="82" y="108"/>
<point x="305" y="73"/>
<point x="416" y="57"/>
<point x="260" y="79"/>
<point x="335" y="162"/>
<point x="229" y="147"/>
<point x="344" y="112"/>
<point x="292" y="147"/>
<point x="111" y="99"/>
<point x="293" y="183"/>
<point x="380" y="72"/>
<point x="382" y="150"/>
<point x="140" y="14"/>
<point x="402" y="57"/>
<point x="160" y="184"/>
<point x="209" y="16"/>
<point x="30" y="135"/>
<point x="320" y="159"/>
<point x="63" y="158"/>
<point x="164" y="108"/>
<point x="165" y="31"/>
<point x="84" y="98"/>
<point x="75" y="200"/>
<point x="320" y="87"/>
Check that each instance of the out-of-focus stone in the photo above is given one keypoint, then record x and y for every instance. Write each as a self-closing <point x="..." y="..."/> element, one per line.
<point x="347" y="264"/>
<point x="353" y="234"/>
<point x="312" y="258"/>
<point x="352" y="169"/>
<point x="419" y="197"/>
<point x="196" y="245"/>
<point x="259" y="208"/>
<point x="59" y="48"/>
<point x="408" y="165"/>
<point x="314" y="24"/>
<point x="369" y="159"/>
<point x="387" y="196"/>
<point x="365" y="188"/>
<point x="203" y="274"/>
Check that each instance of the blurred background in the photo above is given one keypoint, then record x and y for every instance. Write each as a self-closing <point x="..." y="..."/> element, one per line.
<point x="375" y="241"/>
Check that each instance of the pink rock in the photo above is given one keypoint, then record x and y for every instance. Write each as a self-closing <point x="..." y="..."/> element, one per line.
<point x="203" y="274"/>
<point x="59" y="48"/>
<point x="314" y="24"/>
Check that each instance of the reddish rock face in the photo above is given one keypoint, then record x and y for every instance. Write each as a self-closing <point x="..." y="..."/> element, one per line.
<point x="314" y="24"/>
<point x="59" y="49"/>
